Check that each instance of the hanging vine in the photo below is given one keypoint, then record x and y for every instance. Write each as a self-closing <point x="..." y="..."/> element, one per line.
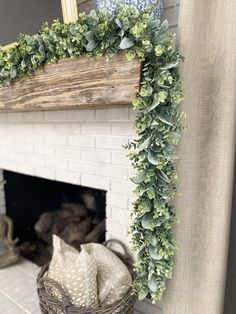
<point x="158" y="121"/>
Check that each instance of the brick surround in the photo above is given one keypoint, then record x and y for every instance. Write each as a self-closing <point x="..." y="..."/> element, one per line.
<point x="82" y="147"/>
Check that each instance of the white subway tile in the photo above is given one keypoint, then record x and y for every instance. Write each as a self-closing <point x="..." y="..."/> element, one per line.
<point x="44" y="149"/>
<point x="117" y="200"/>
<point x="3" y="117"/>
<point x="33" y="116"/>
<point x="66" y="128"/>
<point x="33" y="138"/>
<point x="55" y="116"/>
<point x="68" y="152"/>
<point x="81" y="115"/>
<point x="36" y="160"/>
<point x="15" y="117"/>
<point x="54" y="162"/>
<point x="122" y="186"/>
<point x="82" y="167"/>
<point x="120" y="215"/>
<point x="120" y="158"/>
<point x="96" y="128"/>
<point x="81" y="141"/>
<point x="68" y="176"/>
<point x="24" y="168"/>
<point x="112" y="114"/>
<point x="132" y="114"/>
<point x="123" y="129"/>
<point x="111" y="142"/>
<point x="56" y="139"/>
<point x="117" y="227"/>
<point x="112" y="171"/>
<point x="96" y="155"/>
<point x="43" y="172"/>
<point x="96" y="182"/>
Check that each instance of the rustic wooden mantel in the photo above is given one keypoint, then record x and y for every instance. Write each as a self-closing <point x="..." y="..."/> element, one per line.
<point x="75" y="83"/>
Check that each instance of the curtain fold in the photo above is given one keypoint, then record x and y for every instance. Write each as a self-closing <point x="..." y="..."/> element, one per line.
<point x="207" y="39"/>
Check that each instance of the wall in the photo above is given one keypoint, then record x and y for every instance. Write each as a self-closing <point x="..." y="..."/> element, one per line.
<point x="25" y="16"/>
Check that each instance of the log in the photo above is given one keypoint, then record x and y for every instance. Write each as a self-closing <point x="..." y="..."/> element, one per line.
<point x="75" y="83"/>
<point x="97" y="233"/>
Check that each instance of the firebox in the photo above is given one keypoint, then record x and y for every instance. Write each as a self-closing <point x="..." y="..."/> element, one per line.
<point x="41" y="207"/>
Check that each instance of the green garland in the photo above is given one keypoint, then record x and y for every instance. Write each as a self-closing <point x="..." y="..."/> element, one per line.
<point x="158" y="121"/>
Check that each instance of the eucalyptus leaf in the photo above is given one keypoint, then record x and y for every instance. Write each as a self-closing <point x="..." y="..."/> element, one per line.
<point x="118" y="22"/>
<point x="91" y="45"/>
<point x="154" y="105"/>
<point x="143" y="294"/>
<point x="152" y="159"/>
<point x="170" y="65"/>
<point x="145" y="144"/>
<point x="152" y="284"/>
<point x="126" y="43"/>
<point x="147" y="218"/>
<point x="164" y="26"/>
<point x="139" y="178"/>
<point x="164" y="120"/>
<point x="154" y="240"/>
<point x="154" y="254"/>
<point x="13" y="73"/>
<point x="121" y="33"/>
<point x="89" y="35"/>
<point x="163" y="176"/>
<point x="42" y="50"/>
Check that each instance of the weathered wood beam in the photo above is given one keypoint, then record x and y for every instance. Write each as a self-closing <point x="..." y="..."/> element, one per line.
<point x="9" y="46"/>
<point x="75" y="83"/>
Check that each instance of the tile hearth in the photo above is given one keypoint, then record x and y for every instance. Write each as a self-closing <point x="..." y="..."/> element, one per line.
<point x="18" y="288"/>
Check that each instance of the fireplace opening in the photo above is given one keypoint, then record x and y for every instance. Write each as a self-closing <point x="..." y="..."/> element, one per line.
<point x="41" y="207"/>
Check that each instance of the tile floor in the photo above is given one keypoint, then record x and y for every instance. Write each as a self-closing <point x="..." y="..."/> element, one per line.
<point x="18" y="293"/>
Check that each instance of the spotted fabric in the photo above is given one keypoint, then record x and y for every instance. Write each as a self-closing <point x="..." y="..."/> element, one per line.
<point x="75" y="272"/>
<point x="111" y="5"/>
<point x="114" y="278"/>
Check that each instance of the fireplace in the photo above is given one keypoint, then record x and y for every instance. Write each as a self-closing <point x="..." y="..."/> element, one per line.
<point x="79" y="147"/>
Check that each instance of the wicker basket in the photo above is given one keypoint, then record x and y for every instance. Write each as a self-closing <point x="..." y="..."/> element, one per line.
<point x="51" y="305"/>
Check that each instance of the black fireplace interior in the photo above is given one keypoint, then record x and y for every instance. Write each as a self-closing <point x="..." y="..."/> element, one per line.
<point x="41" y="207"/>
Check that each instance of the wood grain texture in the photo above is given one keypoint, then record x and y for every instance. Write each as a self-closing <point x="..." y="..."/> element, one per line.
<point x="75" y="83"/>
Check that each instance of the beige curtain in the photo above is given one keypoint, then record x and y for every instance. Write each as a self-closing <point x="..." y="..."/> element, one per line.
<point x="207" y="39"/>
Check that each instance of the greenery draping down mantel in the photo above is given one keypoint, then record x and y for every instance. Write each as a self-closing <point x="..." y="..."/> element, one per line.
<point x="158" y="121"/>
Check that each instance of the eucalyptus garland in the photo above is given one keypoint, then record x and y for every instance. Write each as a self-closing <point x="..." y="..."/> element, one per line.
<point x="158" y="121"/>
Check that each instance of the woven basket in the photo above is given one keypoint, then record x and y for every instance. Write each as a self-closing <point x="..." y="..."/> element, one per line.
<point x="51" y="305"/>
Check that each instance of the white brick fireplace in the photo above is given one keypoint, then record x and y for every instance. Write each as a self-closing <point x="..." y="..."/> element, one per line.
<point x="82" y="147"/>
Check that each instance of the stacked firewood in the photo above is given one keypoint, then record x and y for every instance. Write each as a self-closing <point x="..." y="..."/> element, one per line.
<point x="73" y="223"/>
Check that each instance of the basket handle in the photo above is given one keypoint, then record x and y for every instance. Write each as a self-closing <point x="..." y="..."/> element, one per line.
<point x="124" y="248"/>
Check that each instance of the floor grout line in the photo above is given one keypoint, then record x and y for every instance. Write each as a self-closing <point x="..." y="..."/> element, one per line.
<point x="25" y="272"/>
<point x="12" y="300"/>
